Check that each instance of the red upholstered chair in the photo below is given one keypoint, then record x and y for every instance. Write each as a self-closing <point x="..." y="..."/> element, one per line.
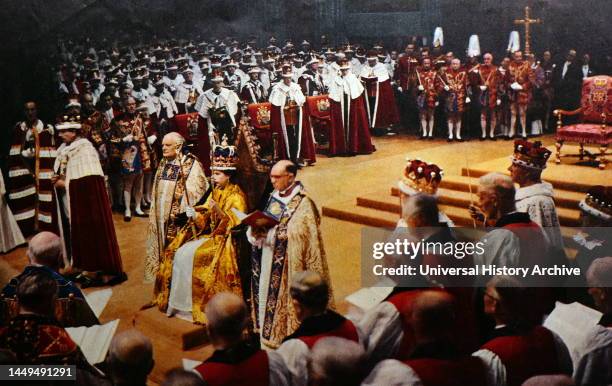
<point x="318" y="109"/>
<point x="595" y="119"/>
<point x="195" y="130"/>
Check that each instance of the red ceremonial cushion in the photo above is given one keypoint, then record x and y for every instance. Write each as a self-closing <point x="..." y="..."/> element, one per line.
<point x="585" y="133"/>
<point x="318" y="107"/>
<point x="596" y="99"/>
<point x="259" y="113"/>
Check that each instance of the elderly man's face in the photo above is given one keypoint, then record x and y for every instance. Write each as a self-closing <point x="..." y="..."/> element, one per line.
<point x="30" y="111"/>
<point x="455" y="64"/>
<point x="488" y="59"/>
<point x="426" y="64"/>
<point x="130" y="106"/>
<point x="517" y="56"/>
<point x="280" y="178"/>
<point x="254" y="75"/>
<point x="487" y="202"/>
<point x="169" y="147"/>
<point x="188" y="76"/>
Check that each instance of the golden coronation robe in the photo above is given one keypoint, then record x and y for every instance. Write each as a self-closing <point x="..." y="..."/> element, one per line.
<point x="292" y="246"/>
<point x="169" y="199"/>
<point x="196" y="267"/>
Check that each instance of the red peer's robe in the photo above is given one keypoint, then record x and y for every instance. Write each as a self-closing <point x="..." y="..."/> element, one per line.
<point x="93" y="241"/>
<point x="278" y="97"/>
<point x="383" y="112"/>
<point x="346" y="96"/>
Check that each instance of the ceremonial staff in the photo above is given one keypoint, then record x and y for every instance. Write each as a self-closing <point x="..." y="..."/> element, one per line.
<point x="184" y="182"/>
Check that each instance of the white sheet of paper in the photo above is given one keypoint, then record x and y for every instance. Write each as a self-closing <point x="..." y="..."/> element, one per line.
<point x="239" y="214"/>
<point x="368" y="297"/>
<point x="98" y="300"/>
<point x="94" y="341"/>
<point x="573" y="323"/>
<point x="190" y="364"/>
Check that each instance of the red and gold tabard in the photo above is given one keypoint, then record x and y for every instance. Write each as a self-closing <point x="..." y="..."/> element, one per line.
<point x="456" y="80"/>
<point x="95" y="128"/>
<point x="428" y="97"/>
<point x="31" y="160"/>
<point x="131" y="156"/>
<point x="519" y="72"/>
<point x="489" y="77"/>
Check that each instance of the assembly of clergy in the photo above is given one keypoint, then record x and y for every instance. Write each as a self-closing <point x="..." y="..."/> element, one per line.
<point x="477" y="270"/>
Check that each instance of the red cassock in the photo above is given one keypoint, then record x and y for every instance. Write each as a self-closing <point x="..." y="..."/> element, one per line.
<point x="384" y="107"/>
<point x="252" y="371"/>
<point x="195" y="130"/>
<point x="465" y="336"/>
<point x="525" y="356"/>
<point x="92" y="232"/>
<point x="353" y="138"/>
<point x="307" y="147"/>
<point x="329" y="324"/>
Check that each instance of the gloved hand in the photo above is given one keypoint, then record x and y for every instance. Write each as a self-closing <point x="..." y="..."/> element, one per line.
<point x="467" y="100"/>
<point x="190" y="212"/>
<point x="446" y="88"/>
<point x="151" y="139"/>
<point x="27" y="153"/>
<point x="421" y="88"/>
<point x="483" y="87"/>
<point x="498" y="102"/>
<point x="400" y="89"/>
<point x="515" y="86"/>
<point x="128" y="138"/>
<point x="437" y="103"/>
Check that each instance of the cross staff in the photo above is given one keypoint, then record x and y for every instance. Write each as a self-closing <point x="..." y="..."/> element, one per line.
<point x="527" y="21"/>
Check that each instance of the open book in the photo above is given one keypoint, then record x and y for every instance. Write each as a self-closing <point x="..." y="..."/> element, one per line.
<point x="256" y="219"/>
<point x="190" y="364"/>
<point x="94" y="341"/>
<point x="573" y="323"/>
<point x="366" y="298"/>
<point x="98" y="300"/>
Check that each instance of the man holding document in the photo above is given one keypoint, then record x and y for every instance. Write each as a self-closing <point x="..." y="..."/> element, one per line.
<point x="286" y="239"/>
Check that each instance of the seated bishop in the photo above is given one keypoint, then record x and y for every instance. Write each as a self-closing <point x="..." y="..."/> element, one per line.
<point x="202" y="259"/>
<point x="309" y="295"/>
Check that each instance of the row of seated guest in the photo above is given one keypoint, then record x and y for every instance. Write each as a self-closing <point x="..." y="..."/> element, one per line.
<point x="328" y="349"/>
<point x="421" y="336"/>
<point x="45" y="255"/>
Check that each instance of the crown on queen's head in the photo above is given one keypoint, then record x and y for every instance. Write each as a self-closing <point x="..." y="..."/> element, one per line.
<point x="530" y="154"/>
<point x="224" y="158"/>
<point x="420" y="177"/>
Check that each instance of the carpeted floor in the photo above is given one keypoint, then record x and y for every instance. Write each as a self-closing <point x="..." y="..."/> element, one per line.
<point x="332" y="181"/>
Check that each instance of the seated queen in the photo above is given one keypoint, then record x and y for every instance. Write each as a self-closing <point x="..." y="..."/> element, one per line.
<point x="202" y="260"/>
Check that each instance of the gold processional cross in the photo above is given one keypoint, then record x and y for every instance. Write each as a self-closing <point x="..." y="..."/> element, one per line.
<point x="527" y="21"/>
